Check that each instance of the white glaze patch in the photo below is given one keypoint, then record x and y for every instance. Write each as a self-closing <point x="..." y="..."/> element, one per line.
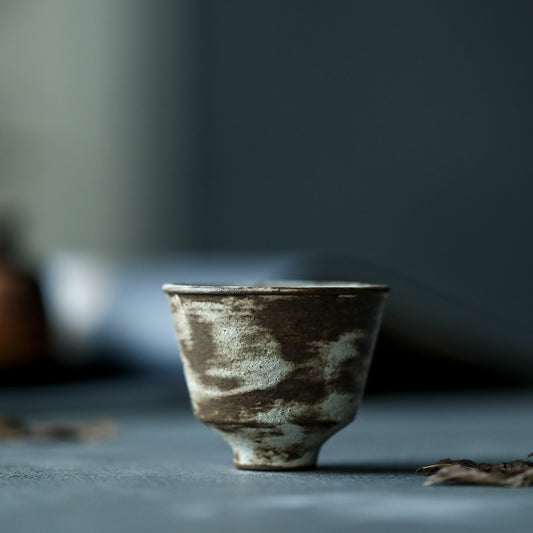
<point x="337" y="352"/>
<point x="258" y="366"/>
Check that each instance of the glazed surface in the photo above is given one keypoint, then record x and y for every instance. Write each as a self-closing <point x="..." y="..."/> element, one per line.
<point x="276" y="374"/>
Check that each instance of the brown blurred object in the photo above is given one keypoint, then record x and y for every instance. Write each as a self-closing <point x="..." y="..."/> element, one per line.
<point x="23" y="329"/>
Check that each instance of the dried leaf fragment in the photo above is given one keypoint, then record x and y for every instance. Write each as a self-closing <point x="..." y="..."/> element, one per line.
<point x="92" y="430"/>
<point x="517" y="473"/>
<point x="12" y="428"/>
<point x="445" y="462"/>
<point x="16" y="428"/>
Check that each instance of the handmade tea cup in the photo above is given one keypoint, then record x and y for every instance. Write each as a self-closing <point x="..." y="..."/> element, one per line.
<point x="276" y="370"/>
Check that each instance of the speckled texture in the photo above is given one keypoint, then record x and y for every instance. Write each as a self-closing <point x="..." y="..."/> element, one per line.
<point x="276" y="372"/>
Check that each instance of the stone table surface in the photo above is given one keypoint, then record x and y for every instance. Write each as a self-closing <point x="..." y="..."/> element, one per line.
<point x="164" y="471"/>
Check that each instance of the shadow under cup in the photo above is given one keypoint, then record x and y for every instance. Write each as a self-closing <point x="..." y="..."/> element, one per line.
<point x="276" y="370"/>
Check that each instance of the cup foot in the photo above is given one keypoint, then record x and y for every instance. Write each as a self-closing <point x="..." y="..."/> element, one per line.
<point x="273" y="459"/>
<point x="270" y="468"/>
<point x="280" y="447"/>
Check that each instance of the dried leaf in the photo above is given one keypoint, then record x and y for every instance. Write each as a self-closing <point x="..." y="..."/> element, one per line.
<point x="93" y="430"/>
<point x="15" y="428"/>
<point x="12" y="428"/>
<point x="445" y="462"/>
<point x="517" y="473"/>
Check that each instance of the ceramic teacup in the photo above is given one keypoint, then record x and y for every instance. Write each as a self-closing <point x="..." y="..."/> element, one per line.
<point x="276" y="370"/>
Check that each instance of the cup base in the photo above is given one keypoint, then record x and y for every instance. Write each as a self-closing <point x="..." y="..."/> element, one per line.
<point x="270" y="468"/>
<point x="277" y="460"/>
<point x="274" y="447"/>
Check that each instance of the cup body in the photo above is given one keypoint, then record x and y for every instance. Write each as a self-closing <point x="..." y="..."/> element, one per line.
<point x="276" y="370"/>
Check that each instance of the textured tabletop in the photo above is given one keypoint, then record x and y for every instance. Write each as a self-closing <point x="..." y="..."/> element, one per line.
<point x="163" y="471"/>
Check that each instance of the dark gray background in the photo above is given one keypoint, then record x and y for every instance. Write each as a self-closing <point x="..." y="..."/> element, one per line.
<point x="396" y="131"/>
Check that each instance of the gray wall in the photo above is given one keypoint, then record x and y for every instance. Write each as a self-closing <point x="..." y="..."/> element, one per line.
<point x="99" y="123"/>
<point x="400" y="132"/>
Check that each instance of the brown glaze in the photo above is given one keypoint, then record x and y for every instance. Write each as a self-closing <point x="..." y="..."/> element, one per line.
<point x="280" y="370"/>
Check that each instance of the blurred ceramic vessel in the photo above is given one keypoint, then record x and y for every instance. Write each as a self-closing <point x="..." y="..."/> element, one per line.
<point x="23" y="328"/>
<point x="276" y="370"/>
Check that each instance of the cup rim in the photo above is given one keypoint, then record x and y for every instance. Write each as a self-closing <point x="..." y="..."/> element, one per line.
<point x="278" y="287"/>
